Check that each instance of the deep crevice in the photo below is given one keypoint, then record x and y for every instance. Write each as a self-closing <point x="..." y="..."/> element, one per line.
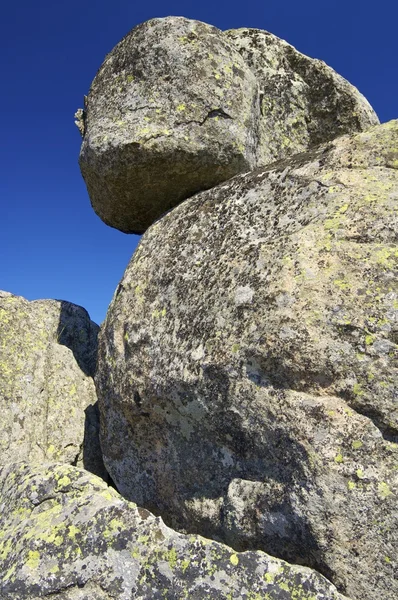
<point x="215" y="112"/>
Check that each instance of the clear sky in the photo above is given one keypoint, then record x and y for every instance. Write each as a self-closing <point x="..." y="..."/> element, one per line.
<point x="52" y="245"/>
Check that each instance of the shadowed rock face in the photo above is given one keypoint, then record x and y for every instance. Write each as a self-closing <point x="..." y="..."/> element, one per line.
<point x="65" y="534"/>
<point x="303" y="99"/>
<point x="179" y="106"/>
<point x="48" y="354"/>
<point x="247" y="372"/>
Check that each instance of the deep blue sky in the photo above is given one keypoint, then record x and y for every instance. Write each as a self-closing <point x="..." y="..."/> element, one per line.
<point x="52" y="245"/>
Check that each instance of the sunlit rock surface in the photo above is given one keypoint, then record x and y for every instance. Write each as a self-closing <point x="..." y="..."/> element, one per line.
<point x="179" y="106"/>
<point x="65" y="534"/>
<point x="48" y="352"/>
<point x="247" y="366"/>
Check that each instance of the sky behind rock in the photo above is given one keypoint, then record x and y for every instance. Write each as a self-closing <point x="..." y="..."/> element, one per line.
<point x="52" y="245"/>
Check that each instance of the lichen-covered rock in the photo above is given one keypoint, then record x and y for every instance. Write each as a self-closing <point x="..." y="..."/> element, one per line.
<point x="65" y="534"/>
<point x="48" y="402"/>
<point x="175" y="109"/>
<point x="172" y="111"/>
<point x="247" y="372"/>
<point x="305" y="101"/>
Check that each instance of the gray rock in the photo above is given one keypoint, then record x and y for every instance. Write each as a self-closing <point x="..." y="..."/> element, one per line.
<point x="48" y="401"/>
<point x="179" y="106"/>
<point x="303" y="99"/>
<point x="65" y="534"/>
<point x="247" y="371"/>
<point x="173" y="110"/>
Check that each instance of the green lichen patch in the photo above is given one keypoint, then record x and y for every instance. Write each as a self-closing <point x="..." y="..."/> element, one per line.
<point x="120" y="551"/>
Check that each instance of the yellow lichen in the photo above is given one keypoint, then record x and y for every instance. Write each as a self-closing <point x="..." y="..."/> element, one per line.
<point x="357" y="390"/>
<point x="184" y="565"/>
<point x="73" y="531"/>
<point x="234" y="559"/>
<point x="384" y="490"/>
<point x="64" y="481"/>
<point x="33" y="559"/>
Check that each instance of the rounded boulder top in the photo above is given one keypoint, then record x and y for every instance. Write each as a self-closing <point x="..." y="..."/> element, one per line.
<point x="172" y="111"/>
<point x="178" y="106"/>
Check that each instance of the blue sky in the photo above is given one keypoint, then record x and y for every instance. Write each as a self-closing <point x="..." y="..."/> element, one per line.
<point x="52" y="245"/>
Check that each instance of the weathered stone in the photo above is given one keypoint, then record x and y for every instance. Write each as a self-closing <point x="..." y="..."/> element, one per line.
<point x="247" y="365"/>
<point x="172" y="111"/>
<point x="47" y="395"/>
<point x="65" y="534"/>
<point x="301" y="99"/>
<point x="175" y="109"/>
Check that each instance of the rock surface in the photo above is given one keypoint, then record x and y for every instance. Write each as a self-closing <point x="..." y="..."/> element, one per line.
<point x="47" y="395"/>
<point x="306" y="102"/>
<point x="65" y="534"/>
<point x="173" y="110"/>
<point x="247" y="370"/>
<point x="179" y="106"/>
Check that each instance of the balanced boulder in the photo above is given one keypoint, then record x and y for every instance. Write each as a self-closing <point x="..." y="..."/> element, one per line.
<point x="48" y="402"/>
<point x="65" y="534"/>
<point x="178" y="106"/>
<point x="247" y="371"/>
<point x="173" y="110"/>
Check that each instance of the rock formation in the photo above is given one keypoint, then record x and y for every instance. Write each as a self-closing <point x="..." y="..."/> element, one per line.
<point x="47" y="395"/>
<point x="247" y="366"/>
<point x="178" y="106"/>
<point x="247" y="373"/>
<point x="65" y="534"/>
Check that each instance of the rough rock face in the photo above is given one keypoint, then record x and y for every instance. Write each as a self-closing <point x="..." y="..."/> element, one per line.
<point x="64" y="533"/>
<point x="247" y="366"/>
<point x="179" y="106"/>
<point x="306" y="101"/>
<point x="47" y="395"/>
<point x="173" y="110"/>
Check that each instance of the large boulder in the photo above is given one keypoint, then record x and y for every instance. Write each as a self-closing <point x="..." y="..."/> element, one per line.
<point x="173" y="110"/>
<point x="65" y="534"/>
<point x="48" y="402"/>
<point x="247" y="371"/>
<point x="179" y="106"/>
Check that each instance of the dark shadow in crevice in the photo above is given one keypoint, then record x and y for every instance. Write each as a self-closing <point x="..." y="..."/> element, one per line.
<point x="77" y="332"/>
<point x="92" y="453"/>
<point x="278" y="373"/>
<point x="390" y="434"/>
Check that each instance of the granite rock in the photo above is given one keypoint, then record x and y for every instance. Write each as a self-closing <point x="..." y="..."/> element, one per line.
<point x="179" y="106"/>
<point x="48" y="401"/>
<point x="65" y="534"/>
<point x="247" y="372"/>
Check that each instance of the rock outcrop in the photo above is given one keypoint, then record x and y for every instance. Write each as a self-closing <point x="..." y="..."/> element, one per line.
<point x="48" y="401"/>
<point x="179" y="106"/>
<point x="247" y="366"/>
<point x="65" y="534"/>
<point x="247" y="372"/>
